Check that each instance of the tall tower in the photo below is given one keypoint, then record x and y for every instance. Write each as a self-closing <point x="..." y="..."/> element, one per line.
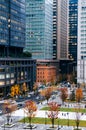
<point x="39" y="28"/>
<point x="62" y="29"/>
<point x="81" y="55"/>
<point x="12" y="27"/>
<point x="54" y="29"/>
<point x="73" y="23"/>
<point x="14" y="67"/>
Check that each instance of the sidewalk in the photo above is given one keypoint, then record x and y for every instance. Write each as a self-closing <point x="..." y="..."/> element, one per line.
<point x="61" y="115"/>
<point x="20" y="126"/>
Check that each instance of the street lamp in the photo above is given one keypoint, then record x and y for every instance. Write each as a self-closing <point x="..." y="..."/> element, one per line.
<point x="45" y="118"/>
<point x="24" y="117"/>
<point x="68" y="119"/>
<point x="4" y="126"/>
<point x="4" y="123"/>
<point x="58" y="123"/>
<point x="68" y="114"/>
<point x="24" y="112"/>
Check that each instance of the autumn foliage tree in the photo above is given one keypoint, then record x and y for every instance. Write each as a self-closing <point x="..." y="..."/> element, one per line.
<point x="46" y="93"/>
<point x="64" y="94"/>
<point x="44" y="82"/>
<point x="30" y="109"/>
<point x="79" y="94"/>
<point x="35" y="88"/>
<point x="53" y="111"/>
<point x="12" y="91"/>
<point x="15" y="90"/>
<point x="24" y="88"/>
<point x="8" y="109"/>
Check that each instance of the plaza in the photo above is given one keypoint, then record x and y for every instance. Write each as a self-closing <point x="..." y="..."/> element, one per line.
<point x="19" y="114"/>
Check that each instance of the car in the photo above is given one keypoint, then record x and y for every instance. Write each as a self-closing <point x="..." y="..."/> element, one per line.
<point x="37" y="97"/>
<point x="0" y="111"/>
<point x="84" y="99"/>
<point x="29" y="95"/>
<point x="53" y="96"/>
<point x="20" y="105"/>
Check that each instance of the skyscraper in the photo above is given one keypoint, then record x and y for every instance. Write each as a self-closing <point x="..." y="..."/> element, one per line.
<point x="73" y="23"/>
<point x="14" y="69"/>
<point x="81" y="55"/>
<point x="54" y="29"/>
<point x="39" y="28"/>
<point x="60" y="29"/>
<point x="12" y="27"/>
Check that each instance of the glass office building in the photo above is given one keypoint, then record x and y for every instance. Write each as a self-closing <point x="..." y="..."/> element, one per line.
<point x="13" y="69"/>
<point x="81" y="52"/>
<point x="12" y="27"/>
<point x="39" y="28"/>
<point x="16" y="71"/>
<point x="73" y="23"/>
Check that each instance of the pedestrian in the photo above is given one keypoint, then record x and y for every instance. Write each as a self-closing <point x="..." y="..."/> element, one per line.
<point x="81" y="113"/>
<point x="11" y="119"/>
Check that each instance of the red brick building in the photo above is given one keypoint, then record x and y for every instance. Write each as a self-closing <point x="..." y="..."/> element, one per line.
<point x="46" y="73"/>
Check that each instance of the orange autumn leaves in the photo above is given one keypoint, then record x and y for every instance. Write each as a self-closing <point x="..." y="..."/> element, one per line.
<point x="53" y="106"/>
<point x="30" y="109"/>
<point x="64" y="94"/>
<point x="24" y="87"/>
<point x="8" y="107"/>
<point x="53" y="113"/>
<point x="16" y="90"/>
<point x="79" y="94"/>
<point x="46" y="93"/>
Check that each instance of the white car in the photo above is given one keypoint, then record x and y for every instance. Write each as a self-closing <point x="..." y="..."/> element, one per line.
<point x="0" y="111"/>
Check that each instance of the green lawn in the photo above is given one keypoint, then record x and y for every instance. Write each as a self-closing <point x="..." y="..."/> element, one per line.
<point x="37" y="120"/>
<point x="77" y="129"/>
<point x="66" y="109"/>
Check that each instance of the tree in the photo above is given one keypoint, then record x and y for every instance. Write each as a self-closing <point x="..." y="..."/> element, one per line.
<point x="44" y="82"/>
<point x="15" y="90"/>
<point x="26" y="54"/>
<point x="12" y="91"/>
<point x="53" y="81"/>
<point x="79" y="94"/>
<point x="35" y="88"/>
<point x="46" y="93"/>
<point x="8" y="109"/>
<point x="64" y="94"/>
<point x="30" y="109"/>
<point x="53" y="111"/>
<point x="24" y="88"/>
<point x="60" y="78"/>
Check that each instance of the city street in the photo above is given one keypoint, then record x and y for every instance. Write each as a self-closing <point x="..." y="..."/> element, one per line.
<point x="42" y="64"/>
<point x="19" y="114"/>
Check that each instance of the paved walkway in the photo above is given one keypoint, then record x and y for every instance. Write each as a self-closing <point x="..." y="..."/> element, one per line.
<point x="43" y="114"/>
<point x="19" y="114"/>
<point x="20" y="126"/>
